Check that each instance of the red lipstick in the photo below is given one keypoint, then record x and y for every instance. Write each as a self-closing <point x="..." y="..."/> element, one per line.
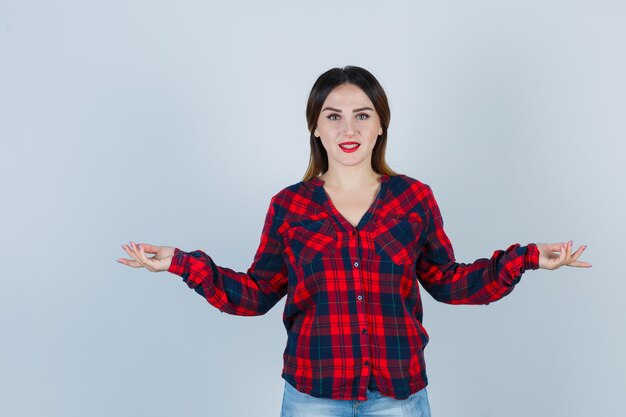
<point x="349" y="147"/>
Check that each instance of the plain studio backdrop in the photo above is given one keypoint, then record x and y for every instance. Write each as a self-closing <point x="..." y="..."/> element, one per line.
<point x="175" y="122"/>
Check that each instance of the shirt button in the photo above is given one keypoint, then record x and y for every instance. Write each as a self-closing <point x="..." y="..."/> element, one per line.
<point x="364" y="331"/>
<point x="366" y="363"/>
<point x="353" y="232"/>
<point x="359" y="297"/>
<point x="356" y="263"/>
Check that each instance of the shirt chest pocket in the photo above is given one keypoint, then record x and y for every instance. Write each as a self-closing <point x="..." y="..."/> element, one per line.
<point x="397" y="238"/>
<point x="311" y="240"/>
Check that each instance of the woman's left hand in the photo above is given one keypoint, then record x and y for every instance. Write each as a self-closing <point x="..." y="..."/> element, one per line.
<point x="555" y="255"/>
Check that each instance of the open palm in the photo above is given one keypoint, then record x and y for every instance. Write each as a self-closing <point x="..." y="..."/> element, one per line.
<point x="159" y="262"/>
<point x="555" y="255"/>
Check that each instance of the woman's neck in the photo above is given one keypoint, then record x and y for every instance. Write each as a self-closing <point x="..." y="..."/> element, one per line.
<point x="349" y="181"/>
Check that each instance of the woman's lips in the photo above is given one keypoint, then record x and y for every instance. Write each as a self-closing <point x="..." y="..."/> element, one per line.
<point x="350" y="150"/>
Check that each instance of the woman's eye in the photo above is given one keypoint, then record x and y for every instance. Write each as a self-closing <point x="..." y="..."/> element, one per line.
<point x="360" y="116"/>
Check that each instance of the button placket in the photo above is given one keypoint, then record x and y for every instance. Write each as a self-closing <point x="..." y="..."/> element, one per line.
<point x="360" y="308"/>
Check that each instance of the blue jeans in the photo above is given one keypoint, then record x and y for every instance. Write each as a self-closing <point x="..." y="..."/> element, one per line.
<point x="298" y="404"/>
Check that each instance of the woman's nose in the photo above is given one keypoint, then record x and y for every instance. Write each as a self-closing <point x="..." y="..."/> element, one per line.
<point x="348" y="128"/>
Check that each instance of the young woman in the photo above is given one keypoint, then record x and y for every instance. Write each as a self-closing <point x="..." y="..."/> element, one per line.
<point x="347" y="245"/>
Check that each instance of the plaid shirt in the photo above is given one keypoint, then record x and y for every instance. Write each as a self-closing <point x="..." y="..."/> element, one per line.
<point x="353" y="309"/>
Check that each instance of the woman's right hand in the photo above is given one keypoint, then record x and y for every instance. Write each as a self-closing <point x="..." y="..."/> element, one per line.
<point x="159" y="262"/>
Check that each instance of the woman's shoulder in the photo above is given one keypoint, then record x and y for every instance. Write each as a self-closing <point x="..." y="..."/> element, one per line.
<point x="301" y="190"/>
<point x="403" y="182"/>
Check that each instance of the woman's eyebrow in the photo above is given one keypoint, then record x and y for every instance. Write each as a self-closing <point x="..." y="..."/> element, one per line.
<point x="353" y="111"/>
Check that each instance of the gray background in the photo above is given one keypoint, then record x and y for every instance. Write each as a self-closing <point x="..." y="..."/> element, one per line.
<point x="175" y="122"/>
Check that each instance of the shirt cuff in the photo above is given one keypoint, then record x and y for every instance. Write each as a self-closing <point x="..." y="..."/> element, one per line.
<point x="179" y="263"/>
<point x="531" y="258"/>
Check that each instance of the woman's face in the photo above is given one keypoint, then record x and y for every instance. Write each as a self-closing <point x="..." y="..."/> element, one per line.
<point x="348" y="116"/>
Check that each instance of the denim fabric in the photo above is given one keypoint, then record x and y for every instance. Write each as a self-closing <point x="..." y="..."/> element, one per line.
<point x="298" y="404"/>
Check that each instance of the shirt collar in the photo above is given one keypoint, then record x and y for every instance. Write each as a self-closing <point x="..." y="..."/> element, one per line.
<point x="318" y="182"/>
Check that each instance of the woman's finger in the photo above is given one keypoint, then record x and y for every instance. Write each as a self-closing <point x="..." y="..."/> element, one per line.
<point x="580" y="264"/>
<point x="574" y="262"/>
<point x="561" y="259"/>
<point x="149" y="263"/>
<point x="570" y="245"/>
<point x="578" y="252"/>
<point x="142" y="255"/>
<point x="128" y="250"/>
<point x="148" y="248"/>
<point x="132" y="251"/>
<point x="129" y="262"/>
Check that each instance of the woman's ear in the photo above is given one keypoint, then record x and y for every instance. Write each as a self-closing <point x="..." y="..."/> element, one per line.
<point x="316" y="133"/>
<point x="380" y="131"/>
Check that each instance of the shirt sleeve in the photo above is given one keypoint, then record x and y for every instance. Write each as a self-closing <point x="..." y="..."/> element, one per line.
<point x="481" y="282"/>
<point x="245" y="294"/>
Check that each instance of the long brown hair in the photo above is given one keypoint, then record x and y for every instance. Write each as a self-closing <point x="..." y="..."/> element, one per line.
<point x="334" y="77"/>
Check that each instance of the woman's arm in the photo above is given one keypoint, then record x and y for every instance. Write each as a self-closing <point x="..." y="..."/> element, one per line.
<point x="246" y="294"/>
<point x="481" y="282"/>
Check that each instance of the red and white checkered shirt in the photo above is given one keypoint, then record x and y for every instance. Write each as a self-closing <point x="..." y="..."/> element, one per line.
<point x="353" y="309"/>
